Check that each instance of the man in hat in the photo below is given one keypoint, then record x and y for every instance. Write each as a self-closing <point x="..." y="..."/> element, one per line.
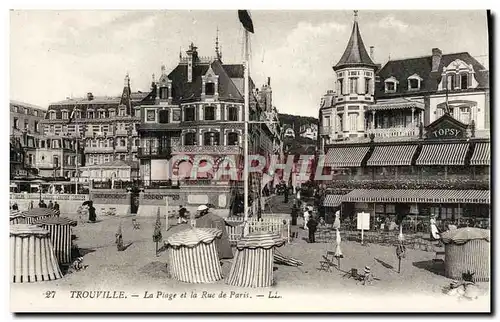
<point x="206" y="219"/>
<point x="182" y="214"/>
<point x="367" y="277"/>
<point x="312" y="225"/>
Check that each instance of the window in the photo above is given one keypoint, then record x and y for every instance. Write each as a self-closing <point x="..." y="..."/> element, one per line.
<point x="341" y="86"/>
<point x="190" y="138"/>
<point x="111" y="113"/>
<point x="137" y="142"/>
<point x="450" y="82"/>
<point x="390" y="87"/>
<point x="102" y="114"/>
<point x="209" y="113"/>
<point x="30" y="159"/>
<point x="326" y="121"/>
<point x="35" y="113"/>
<point x="233" y="114"/>
<point x="465" y="115"/>
<point x="353" y="121"/>
<point x="464" y="81"/>
<point x="123" y="142"/>
<point x="121" y="112"/>
<point x="90" y="114"/>
<point x="163" y="116"/>
<point x="56" y="161"/>
<point x="209" y="89"/>
<point x="368" y="85"/>
<point x="26" y="124"/>
<point x="353" y="85"/>
<point x="26" y="111"/>
<point x="232" y="138"/>
<point x="211" y="138"/>
<point x="164" y="93"/>
<point x="68" y="160"/>
<point x="413" y="84"/>
<point x="65" y="115"/>
<point x="16" y="123"/>
<point x="340" y="123"/>
<point x="122" y="157"/>
<point x="78" y="114"/>
<point x="189" y="114"/>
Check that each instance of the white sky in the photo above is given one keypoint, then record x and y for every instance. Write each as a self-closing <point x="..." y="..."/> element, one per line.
<point x="55" y="54"/>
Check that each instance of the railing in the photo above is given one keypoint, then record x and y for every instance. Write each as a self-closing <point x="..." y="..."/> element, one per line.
<point x="98" y="149"/>
<point x="89" y="134"/>
<point x="46" y="196"/>
<point x="410" y="184"/>
<point x="198" y="182"/>
<point x="325" y="130"/>
<point x="394" y="131"/>
<point x="119" y="148"/>
<point x="279" y="226"/>
<point x="154" y="152"/>
<point x="121" y="132"/>
<point x="225" y="149"/>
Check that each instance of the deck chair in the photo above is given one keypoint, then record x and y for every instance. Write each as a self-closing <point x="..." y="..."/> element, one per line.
<point x="326" y="263"/>
<point x="353" y="273"/>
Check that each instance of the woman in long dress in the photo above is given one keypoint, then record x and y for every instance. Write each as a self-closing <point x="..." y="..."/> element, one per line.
<point x="435" y="235"/>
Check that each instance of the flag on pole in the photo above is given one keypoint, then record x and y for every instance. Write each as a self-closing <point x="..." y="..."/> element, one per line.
<point x="246" y="20"/>
<point x="72" y="115"/>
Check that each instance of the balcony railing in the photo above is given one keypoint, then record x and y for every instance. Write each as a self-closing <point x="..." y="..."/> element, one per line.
<point x="121" y="132"/>
<point x="98" y="149"/>
<point x="325" y="130"/>
<point x="164" y="152"/>
<point x="394" y="132"/>
<point x="120" y="148"/>
<point x="221" y="149"/>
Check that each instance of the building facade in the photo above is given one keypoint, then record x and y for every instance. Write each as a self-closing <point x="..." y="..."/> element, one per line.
<point x="105" y="128"/>
<point x="410" y="138"/>
<point x="25" y="131"/>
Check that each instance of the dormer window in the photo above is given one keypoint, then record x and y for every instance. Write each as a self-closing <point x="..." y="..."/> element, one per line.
<point x="164" y="93"/>
<point x="189" y="114"/>
<point x="163" y="116"/>
<point x="414" y="82"/>
<point x="52" y="115"/>
<point x="458" y="75"/>
<point x="464" y="81"/>
<point x="90" y="114"/>
<point x="65" y="115"/>
<point x="391" y="85"/>
<point x="111" y="113"/>
<point x="121" y="111"/>
<point x="232" y="113"/>
<point x="209" y="89"/>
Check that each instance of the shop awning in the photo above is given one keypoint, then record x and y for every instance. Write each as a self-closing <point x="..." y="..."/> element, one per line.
<point x="481" y="155"/>
<point x="332" y="200"/>
<point x="392" y="155"/>
<point x="443" y="154"/>
<point x="383" y="106"/>
<point x="345" y="156"/>
<point x="418" y="196"/>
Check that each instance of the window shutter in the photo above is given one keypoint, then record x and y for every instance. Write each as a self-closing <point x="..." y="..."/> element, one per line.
<point x="457" y="80"/>
<point x="469" y="80"/>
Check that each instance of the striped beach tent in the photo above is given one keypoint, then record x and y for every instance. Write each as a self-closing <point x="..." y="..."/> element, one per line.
<point x="16" y="217"/>
<point x="253" y="263"/>
<point x="60" y="235"/>
<point x="192" y="255"/>
<point x="32" y="255"/>
<point x="34" y="214"/>
<point x="467" y="250"/>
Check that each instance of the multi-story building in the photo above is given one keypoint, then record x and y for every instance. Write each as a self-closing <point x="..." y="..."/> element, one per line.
<point x="309" y="131"/>
<point x="56" y="157"/>
<point x="198" y="109"/>
<point x="105" y="127"/>
<point x="411" y="137"/>
<point x="25" y="129"/>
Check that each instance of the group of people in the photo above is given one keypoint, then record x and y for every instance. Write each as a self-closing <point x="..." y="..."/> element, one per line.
<point x="42" y="204"/>
<point x="311" y="221"/>
<point x="87" y="208"/>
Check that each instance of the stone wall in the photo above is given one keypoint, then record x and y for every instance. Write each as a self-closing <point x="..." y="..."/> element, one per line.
<point x="68" y="204"/>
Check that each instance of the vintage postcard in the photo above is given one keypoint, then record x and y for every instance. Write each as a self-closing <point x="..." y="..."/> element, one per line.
<point x="250" y="161"/>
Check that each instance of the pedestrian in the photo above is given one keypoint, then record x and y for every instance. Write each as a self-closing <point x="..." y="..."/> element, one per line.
<point x="51" y="205"/>
<point x="42" y="204"/>
<point x="56" y="206"/>
<point x="92" y="214"/>
<point x="286" y="194"/>
<point x="295" y="215"/>
<point x="312" y="224"/>
<point x="31" y="204"/>
<point x="307" y="215"/>
<point x="182" y="215"/>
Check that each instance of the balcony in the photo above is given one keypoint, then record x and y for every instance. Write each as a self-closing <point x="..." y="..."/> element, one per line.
<point x="89" y="134"/>
<point x="210" y="149"/>
<point x="153" y="152"/>
<point x="121" y="132"/>
<point x="98" y="149"/>
<point x="120" y="148"/>
<point x="325" y="130"/>
<point x="394" y="132"/>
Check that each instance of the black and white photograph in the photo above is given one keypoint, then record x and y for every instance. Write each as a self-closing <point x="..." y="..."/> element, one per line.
<point x="250" y="161"/>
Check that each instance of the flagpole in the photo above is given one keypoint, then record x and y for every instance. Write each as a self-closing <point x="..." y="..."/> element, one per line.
<point x="247" y="115"/>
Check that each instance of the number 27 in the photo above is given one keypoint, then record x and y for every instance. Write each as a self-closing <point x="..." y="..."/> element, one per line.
<point x="50" y="294"/>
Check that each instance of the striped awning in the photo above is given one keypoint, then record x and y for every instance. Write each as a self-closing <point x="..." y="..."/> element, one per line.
<point x="194" y="236"/>
<point x="346" y="156"/>
<point x="395" y="106"/>
<point x="332" y="200"/>
<point x="392" y="155"/>
<point x="443" y="154"/>
<point x="265" y="240"/>
<point x="418" y="196"/>
<point x="481" y="155"/>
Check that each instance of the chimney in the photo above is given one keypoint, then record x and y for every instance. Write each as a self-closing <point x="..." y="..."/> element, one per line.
<point x="90" y="96"/>
<point x="372" y="52"/>
<point x="192" y="56"/>
<point x="436" y="59"/>
<point x="269" y="81"/>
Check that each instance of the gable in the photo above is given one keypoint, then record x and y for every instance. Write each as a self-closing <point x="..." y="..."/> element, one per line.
<point x="446" y="127"/>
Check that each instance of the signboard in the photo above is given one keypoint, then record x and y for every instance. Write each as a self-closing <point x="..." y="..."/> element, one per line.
<point x="363" y="221"/>
<point x="446" y="127"/>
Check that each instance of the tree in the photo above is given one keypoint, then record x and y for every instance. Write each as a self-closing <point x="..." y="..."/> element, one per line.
<point x="157" y="237"/>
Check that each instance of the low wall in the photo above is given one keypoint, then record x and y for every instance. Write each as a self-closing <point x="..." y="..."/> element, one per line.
<point x="68" y="204"/>
<point x="105" y="200"/>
